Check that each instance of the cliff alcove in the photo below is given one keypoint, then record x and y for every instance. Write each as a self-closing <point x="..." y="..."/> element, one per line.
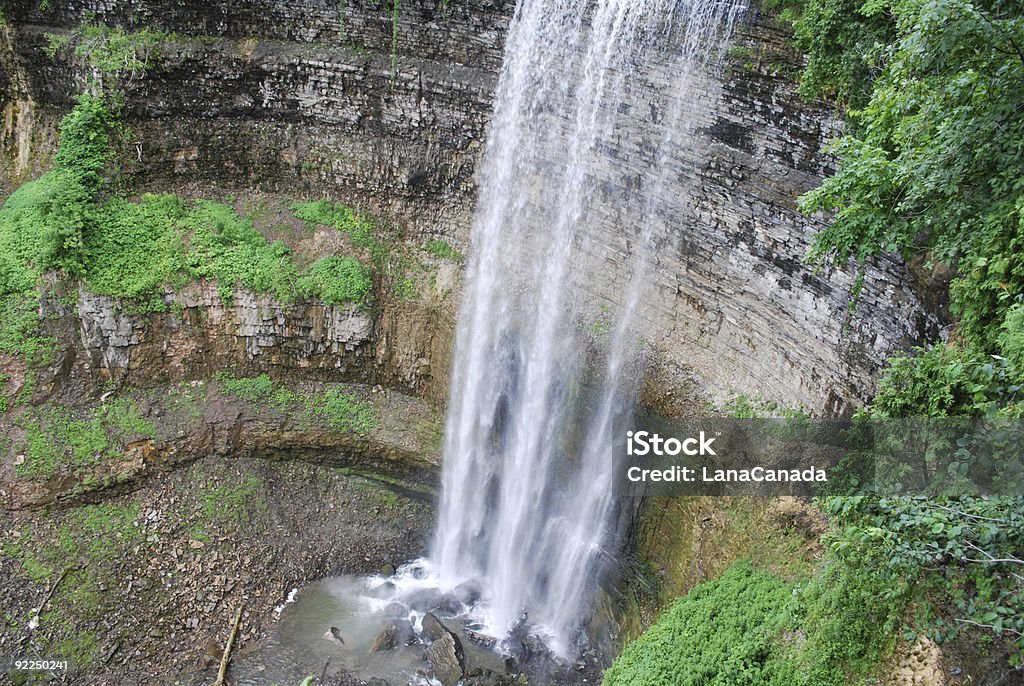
<point x="250" y="395"/>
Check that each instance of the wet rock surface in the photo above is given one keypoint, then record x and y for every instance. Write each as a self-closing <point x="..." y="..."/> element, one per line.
<point x="444" y="651"/>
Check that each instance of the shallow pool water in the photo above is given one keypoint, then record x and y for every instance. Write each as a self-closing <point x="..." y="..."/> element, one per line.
<point x="360" y="609"/>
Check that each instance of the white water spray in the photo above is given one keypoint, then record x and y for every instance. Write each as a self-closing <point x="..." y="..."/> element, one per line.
<point x="529" y="449"/>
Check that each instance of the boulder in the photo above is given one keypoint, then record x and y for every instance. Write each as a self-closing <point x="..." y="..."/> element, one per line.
<point x="334" y="636"/>
<point x="387" y="639"/>
<point x="396" y="611"/>
<point x="444" y="653"/>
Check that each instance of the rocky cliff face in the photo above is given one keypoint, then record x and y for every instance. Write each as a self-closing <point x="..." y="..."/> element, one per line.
<point x="736" y="302"/>
<point x="304" y="97"/>
<point x="201" y="334"/>
<point x="385" y="107"/>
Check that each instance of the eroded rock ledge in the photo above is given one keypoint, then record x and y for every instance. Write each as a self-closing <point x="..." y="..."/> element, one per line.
<point x="196" y="420"/>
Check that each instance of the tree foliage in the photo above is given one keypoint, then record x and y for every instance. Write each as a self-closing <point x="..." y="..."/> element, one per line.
<point x="959" y="556"/>
<point x="934" y="159"/>
<point x="932" y="164"/>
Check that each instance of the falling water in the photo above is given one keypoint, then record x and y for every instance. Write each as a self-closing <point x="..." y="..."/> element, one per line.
<point x="527" y="506"/>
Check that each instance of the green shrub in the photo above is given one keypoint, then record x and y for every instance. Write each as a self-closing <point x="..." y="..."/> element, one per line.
<point x="720" y="634"/>
<point x="42" y="224"/>
<point x="1011" y="336"/>
<point x="134" y="249"/>
<point x="948" y="380"/>
<point x="930" y="162"/>
<point x="391" y="263"/>
<point x="957" y="557"/>
<point x="850" y="616"/>
<point x="337" y="280"/>
<point x="226" y="247"/>
<point x="748" y="627"/>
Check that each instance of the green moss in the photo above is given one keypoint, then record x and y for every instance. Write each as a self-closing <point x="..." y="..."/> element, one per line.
<point x="395" y="11"/>
<point x="386" y="480"/>
<point x="743" y="406"/>
<point x="345" y="219"/>
<point x="19" y="327"/>
<point x="340" y="409"/>
<point x="55" y="441"/>
<point x="234" y="503"/>
<point x="85" y="549"/>
<point x="260" y="390"/>
<point x="373" y="485"/>
<point x="739" y="51"/>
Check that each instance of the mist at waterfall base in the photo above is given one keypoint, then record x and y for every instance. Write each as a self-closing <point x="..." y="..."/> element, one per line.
<point x="545" y="373"/>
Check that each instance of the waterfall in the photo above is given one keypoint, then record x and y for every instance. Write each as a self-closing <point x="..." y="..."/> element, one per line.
<point x="544" y="372"/>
